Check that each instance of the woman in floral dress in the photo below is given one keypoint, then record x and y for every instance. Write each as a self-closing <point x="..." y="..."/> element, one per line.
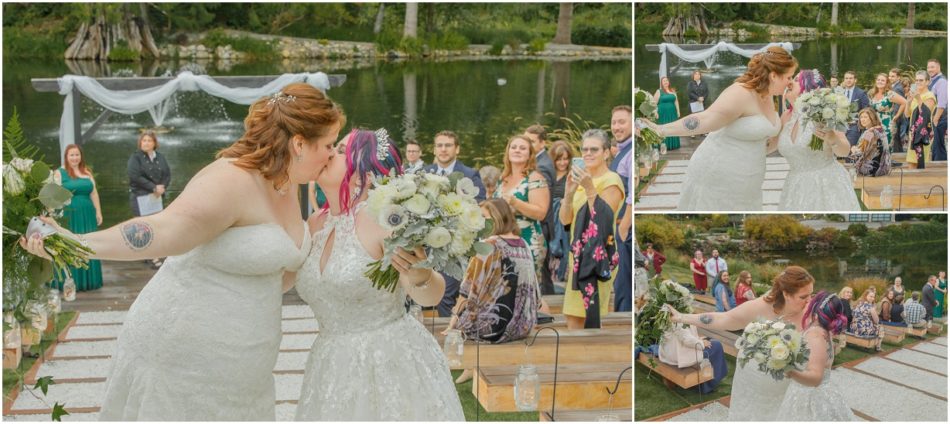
<point x="526" y="191"/>
<point x="883" y="100"/>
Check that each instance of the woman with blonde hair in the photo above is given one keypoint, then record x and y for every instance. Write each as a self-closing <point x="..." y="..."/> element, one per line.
<point x="883" y="99"/>
<point x="526" y="191"/>
<point x="744" y="290"/>
<point x="865" y="322"/>
<point x="208" y="322"/>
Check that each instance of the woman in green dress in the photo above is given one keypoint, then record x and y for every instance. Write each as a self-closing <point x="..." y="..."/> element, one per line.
<point x="527" y="192"/>
<point x="668" y="109"/>
<point x="940" y="294"/>
<point x="883" y="100"/>
<point x="83" y="214"/>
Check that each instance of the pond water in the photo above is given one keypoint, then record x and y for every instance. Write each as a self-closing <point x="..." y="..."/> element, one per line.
<point x="865" y="56"/>
<point x="484" y="101"/>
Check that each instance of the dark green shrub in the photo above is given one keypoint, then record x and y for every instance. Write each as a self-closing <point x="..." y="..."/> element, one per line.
<point x="122" y="53"/>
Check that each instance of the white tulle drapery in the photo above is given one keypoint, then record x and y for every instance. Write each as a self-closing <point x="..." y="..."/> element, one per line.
<point x="708" y="56"/>
<point x="157" y="100"/>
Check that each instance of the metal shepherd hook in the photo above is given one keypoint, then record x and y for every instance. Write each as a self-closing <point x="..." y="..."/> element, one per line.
<point x="557" y="349"/>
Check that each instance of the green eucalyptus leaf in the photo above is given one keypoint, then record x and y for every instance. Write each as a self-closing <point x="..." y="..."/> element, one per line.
<point x="487" y="230"/>
<point x="54" y="196"/>
<point x="40" y="171"/>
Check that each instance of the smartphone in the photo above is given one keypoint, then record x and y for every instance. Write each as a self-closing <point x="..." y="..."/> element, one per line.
<point x="578" y="162"/>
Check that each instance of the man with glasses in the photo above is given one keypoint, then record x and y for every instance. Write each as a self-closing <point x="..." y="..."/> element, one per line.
<point x="446" y="162"/>
<point x="938" y="86"/>
<point x="414" y="161"/>
<point x="621" y="126"/>
<point x="855" y="95"/>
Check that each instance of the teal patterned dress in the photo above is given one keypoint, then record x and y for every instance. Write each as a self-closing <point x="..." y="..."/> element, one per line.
<point x="80" y="217"/>
<point x="885" y="111"/>
<point x="666" y="110"/>
<point x="530" y="228"/>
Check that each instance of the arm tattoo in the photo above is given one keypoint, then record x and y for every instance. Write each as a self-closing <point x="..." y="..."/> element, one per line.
<point x="137" y="235"/>
<point x="705" y="319"/>
<point x="691" y="123"/>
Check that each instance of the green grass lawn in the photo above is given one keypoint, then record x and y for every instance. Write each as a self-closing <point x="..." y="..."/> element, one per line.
<point x="469" y="404"/>
<point x="652" y="397"/>
<point x="11" y="378"/>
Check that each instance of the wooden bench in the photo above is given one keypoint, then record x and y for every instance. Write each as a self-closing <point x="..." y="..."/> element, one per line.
<point x="705" y="298"/>
<point x="864" y="342"/>
<point x="579" y="386"/>
<point x="622" y="414"/>
<point x="894" y="334"/>
<point x="916" y="332"/>
<point x="727" y="338"/>
<point x="935" y="328"/>
<point x="673" y="376"/>
<point x="577" y="347"/>
<point x="555" y="302"/>
<point x="611" y="320"/>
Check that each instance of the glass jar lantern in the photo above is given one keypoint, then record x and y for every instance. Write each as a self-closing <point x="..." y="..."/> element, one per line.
<point x="416" y="312"/>
<point x="38" y="315"/>
<point x="887" y="197"/>
<point x="11" y="337"/>
<point x="527" y="388"/>
<point x="54" y="301"/>
<point x="69" y="289"/>
<point x="454" y="348"/>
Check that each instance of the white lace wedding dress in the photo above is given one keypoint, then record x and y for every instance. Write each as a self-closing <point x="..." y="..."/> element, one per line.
<point x="727" y="170"/>
<point x="755" y="394"/>
<point x="372" y="361"/>
<point x="822" y="403"/>
<point x="201" y="340"/>
<point x="816" y="181"/>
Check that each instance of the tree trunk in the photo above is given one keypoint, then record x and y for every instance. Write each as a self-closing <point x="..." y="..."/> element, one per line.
<point x="94" y="40"/>
<point x="911" y="10"/>
<point x="563" y="35"/>
<point x="430" y="17"/>
<point x="412" y="20"/>
<point x="834" y="13"/>
<point x="378" y="25"/>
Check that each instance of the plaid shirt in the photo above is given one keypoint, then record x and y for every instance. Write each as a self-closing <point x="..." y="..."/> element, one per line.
<point x="913" y="312"/>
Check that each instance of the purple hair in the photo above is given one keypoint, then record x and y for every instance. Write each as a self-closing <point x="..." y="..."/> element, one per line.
<point x="828" y="310"/>
<point x="810" y="79"/>
<point x="361" y="158"/>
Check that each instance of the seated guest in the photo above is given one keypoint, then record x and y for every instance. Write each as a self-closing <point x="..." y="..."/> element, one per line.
<point x="898" y="286"/>
<point x="498" y="302"/>
<point x="897" y="311"/>
<point x="682" y="347"/>
<point x="725" y="300"/>
<point x="891" y="309"/>
<point x="846" y="294"/>
<point x="865" y="323"/>
<point x="744" y="291"/>
<point x="914" y="312"/>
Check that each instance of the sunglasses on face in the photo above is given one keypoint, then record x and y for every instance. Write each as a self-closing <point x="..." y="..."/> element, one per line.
<point x="590" y="149"/>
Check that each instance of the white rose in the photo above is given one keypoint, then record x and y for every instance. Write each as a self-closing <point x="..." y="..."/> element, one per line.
<point x="472" y="219"/>
<point x="417" y="204"/>
<point x="843" y="101"/>
<point x="404" y="188"/>
<point x="827" y="113"/>
<point x="460" y="245"/>
<point x="814" y="101"/>
<point x="759" y="357"/>
<point x="379" y="198"/>
<point x="778" y="325"/>
<point x="776" y="364"/>
<point x="438" y="238"/>
<point x="842" y="114"/>
<point x="750" y="328"/>
<point x="780" y="351"/>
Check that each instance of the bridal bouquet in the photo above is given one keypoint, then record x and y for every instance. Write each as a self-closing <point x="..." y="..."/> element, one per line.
<point x="776" y="347"/>
<point x="29" y="191"/>
<point x="644" y="106"/>
<point x="826" y="109"/>
<point x="436" y="212"/>
<point x="654" y="319"/>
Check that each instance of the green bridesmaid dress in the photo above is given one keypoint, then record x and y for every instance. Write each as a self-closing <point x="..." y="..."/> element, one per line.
<point x="80" y="217"/>
<point x="666" y="108"/>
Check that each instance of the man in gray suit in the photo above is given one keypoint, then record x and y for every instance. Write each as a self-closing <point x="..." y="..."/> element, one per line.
<point x="928" y="299"/>
<point x="856" y="95"/>
<point x="538" y="136"/>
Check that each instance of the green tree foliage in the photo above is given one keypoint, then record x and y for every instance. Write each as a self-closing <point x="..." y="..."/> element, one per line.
<point x="776" y="231"/>
<point x="652" y="17"/>
<point x="657" y="229"/>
